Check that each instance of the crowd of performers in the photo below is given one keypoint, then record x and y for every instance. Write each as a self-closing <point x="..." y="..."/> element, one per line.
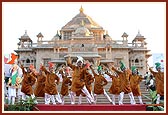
<point x="77" y="80"/>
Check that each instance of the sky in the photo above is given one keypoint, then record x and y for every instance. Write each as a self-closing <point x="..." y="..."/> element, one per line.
<point x="149" y="18"/>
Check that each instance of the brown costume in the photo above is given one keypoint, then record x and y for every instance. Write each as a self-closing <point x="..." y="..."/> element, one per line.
<point x="124" y="80"/>
<point x="27" y="82"/>
<point x="115" y="86"/>
<point x="99" y="83"/>
<point x="135" y="81"/>
<point x="50" y="84"/>
<point x="88" y="79"/>
<point x="65" y="83"/>
<point x="40" y="84"/>
<point x="159" y="78"/>
<point x="77" y="78"/>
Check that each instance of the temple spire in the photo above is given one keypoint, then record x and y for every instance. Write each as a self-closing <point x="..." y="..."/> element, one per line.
<point x="81" y="9"/>
<point x="138" y="31"/>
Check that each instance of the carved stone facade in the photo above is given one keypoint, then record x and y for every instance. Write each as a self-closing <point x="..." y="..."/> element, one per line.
<point x="84" y="37"/>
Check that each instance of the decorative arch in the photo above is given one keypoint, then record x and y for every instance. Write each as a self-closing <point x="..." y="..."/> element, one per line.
<point x="136" y="60"/>
<point x="27" y="60"/>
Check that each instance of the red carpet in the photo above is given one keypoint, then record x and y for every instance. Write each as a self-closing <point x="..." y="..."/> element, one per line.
<point x="87" y="107"/>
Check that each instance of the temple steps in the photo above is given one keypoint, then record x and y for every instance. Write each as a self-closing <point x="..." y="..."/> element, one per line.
<point x="101" y="99"/>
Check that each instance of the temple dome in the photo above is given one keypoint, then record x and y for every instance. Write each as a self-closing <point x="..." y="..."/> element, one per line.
<point x="75" y="22"/>
<point x="82" y="31"/>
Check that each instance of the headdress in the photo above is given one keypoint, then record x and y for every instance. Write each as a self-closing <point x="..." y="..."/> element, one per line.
<point x="13" y="59"/>
<point x="133" y="68"/>
<point x="31" y="67"/>
<point x="50" y="65"/>
<point x="87" y="65"/>
<point x="122" y="65"/>
<point x="158" y="65"/>
<point x="79" y="59"/>
<point x="67" y="70"/>
<point x="99" y="68"/>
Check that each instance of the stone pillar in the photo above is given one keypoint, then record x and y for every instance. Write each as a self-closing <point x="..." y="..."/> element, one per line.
<point x="58" y="50"/>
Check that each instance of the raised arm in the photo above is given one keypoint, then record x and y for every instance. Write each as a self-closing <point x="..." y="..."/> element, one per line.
<point x="23" y="70"/>
<point x="117" y="71"/>
<point x="69" y="63"/>
<point x="93" y="71"/>
<point x="111" y="76"/>
<point x="32" y="79"/>
<point x="153" y="72"/>
<point x="44" y="69"/>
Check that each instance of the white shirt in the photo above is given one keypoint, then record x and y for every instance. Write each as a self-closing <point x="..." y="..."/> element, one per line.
<point x="151" y="82"/>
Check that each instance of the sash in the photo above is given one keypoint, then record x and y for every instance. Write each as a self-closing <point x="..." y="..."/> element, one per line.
<point x="14" y="75"/>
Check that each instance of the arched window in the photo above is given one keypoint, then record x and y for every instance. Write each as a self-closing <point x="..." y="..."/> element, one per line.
<point x="136" y="61"/>
<point x="27" y="60"/>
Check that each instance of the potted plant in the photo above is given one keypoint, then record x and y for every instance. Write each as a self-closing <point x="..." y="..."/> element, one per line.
<point x="152" y="106"/>
<point x="22" y="105"/>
